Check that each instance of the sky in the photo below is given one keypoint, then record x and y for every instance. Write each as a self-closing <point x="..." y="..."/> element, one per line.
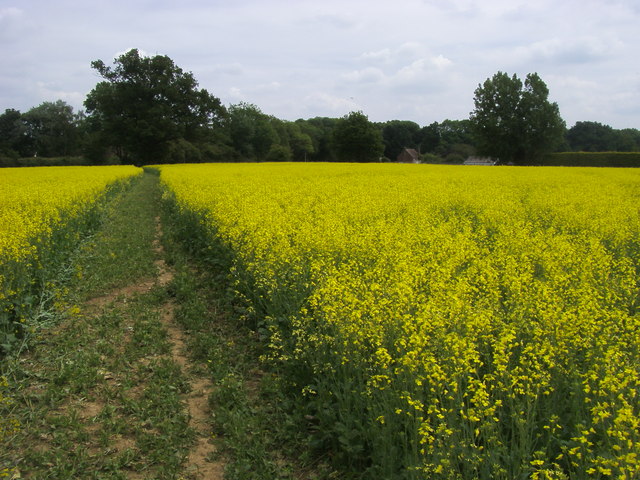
<point x="418" y="60"/>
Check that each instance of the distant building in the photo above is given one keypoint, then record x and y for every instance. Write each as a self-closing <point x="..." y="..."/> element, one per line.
<point x="488" y="161"/>
<point x="408" y="155"/>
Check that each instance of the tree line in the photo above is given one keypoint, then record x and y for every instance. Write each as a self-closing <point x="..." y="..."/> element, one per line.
<point x="148" y="110"/>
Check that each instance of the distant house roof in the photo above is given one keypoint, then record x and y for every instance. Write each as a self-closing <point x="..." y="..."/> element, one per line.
<point x="408" y="155"/>
<point x="488" y="161"/>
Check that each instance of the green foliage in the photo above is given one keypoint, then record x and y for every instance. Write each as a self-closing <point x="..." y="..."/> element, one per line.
<point x="300" y="143"/>
<point x="48" y="130"/>
<point x="279" y="153"/>
<point x="399" y="134"/>
<point x="102" y="398"/>
<point x="252" y="133"/>
<point x="596" y="137"/>
<point x="183" y="151"/>
<point x="452" y="135"/>
<point x="320" y="131"/>
<point x="30" y="287"/>
<point x="455" y="158"/>
<point x="430" y="158"/>
<point x="44" y="161"/>
<point x="628" y="140"/>
<point x="146" y="103"/>
<point x="429" y="137"/>
<point x="448" y="139"/>
<point x="356" y="139"/>
<point x="592" y="159"/>
<point x="515" y="122"/>
<point x="51" y="130"/>
<point x="119" y="252"/>
<point x="12" y="133"/>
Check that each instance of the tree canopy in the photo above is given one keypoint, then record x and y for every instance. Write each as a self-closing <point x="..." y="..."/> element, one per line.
<point x="356" y="139"/>
<point x="515" y="122"/>
<point x="48" y="130"/>
<point x="596" y="137"/>
<point x="251" y="132"/>
<point x="399" y="134"/>
<point x="148" y="110"/>
<point x="147" y="107"/>
<point x="51" y="129"/>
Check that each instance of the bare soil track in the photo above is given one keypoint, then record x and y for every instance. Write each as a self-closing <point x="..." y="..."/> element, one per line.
<point x="86" y="387"/>
<point x="198" y="465"/>
<point x="197" y="400"/>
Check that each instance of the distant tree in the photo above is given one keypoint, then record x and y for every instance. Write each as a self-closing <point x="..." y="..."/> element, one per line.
<point x="597" y="137"/>
<point x="515" y="122"/>
<point x="51" y="130"/>
<point x="455" y="132"/>
<point x="148" y="105"/>
<point x="429" y="138"/>
<point x="320" y="131"/>
<point x="399" y="134"/>
<point x="628" y="140"/>
<point x="279" y="153"/>
<point x="592" y="137"/>
<point x="449" y="140"/>
<point x="356" y="139"/>
<point x="300" y="142"/>
<point x="12" y="133"/>
<point x="252" y="132"/>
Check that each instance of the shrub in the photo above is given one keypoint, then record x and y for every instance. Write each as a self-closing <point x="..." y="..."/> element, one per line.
<point x="279" y="153"/>
<point x="430" y="158"/>
<point x="592" y="159"/>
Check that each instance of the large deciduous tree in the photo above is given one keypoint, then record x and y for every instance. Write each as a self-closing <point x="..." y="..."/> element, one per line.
<point x="12" y="133"/>
<point x="48" y="130"/>
<point x="51" y="129"/>
<point x="592" y="137"/>
<point x="251" y="131"/>
<point x="356" y="139"/>
<point x="320" y="131"/>
<point x="515" y="122"/>
<point x="147" y="108"/>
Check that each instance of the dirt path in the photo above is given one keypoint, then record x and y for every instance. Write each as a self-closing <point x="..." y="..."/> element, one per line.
<point x="110" y="392"/>
<point x="198" y="465"/>
<point x="197" y="400"/>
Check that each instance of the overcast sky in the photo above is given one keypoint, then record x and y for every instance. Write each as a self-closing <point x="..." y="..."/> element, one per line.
<point x="417" y="60"/>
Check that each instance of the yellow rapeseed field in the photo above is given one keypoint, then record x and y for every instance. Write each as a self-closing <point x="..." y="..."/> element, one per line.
<point x="40" y="214"/>
<point x="441" y="321"/>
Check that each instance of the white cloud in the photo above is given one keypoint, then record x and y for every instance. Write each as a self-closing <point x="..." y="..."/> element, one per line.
<point x="9" y="12"/>
<point x="13" y="25"/>
<point x="469" y="8"/>
<point x="334" y="20"/>
<point x="50" y="93"/>
<point x="597" y="102"/>
<point x="412" y="73"/>
<point x="395" y="56"/>
<point x="416" y="58"/>
<point x="441" y="62"/>
<point x="421" y="70"/>
<point x="235" y="95"/>
<point x="328" y="104"/>
<point x="268" y="87"/>
<point x="380" y="56"/>
<point x="366" y="75"/>
<point x="232" y="69"/>
<point x="410" y="49"/>
<point x="141" y="52"/>
<point x="573" y="50"/>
